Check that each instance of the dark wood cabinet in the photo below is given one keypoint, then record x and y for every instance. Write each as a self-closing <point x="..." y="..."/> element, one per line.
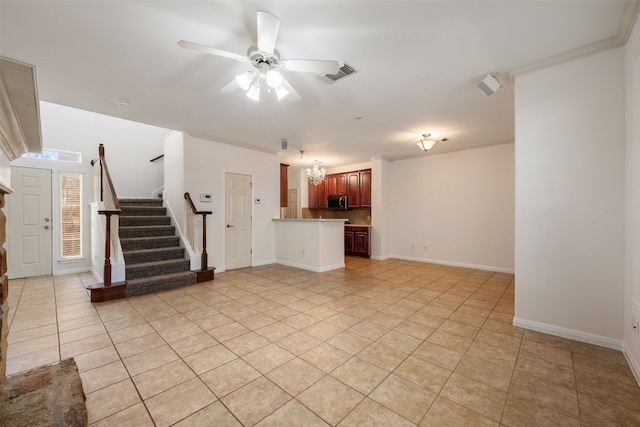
<point x="284" y="184"/>
<point x="318" y="195"/>
<point x="332" y="185"/>
<point x="321" y="194"/>
<point x="356" y="185"/>
<point x="341" y="184"/>
<point x="313" y="196"/>
<point x="353" y="189"/>
<point x="357" y="241"/>
<point x="365" y="188"/>
<point x="348" y="241"/>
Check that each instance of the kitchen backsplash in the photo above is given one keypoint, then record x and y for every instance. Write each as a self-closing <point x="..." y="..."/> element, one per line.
<point x="357" y="216"/>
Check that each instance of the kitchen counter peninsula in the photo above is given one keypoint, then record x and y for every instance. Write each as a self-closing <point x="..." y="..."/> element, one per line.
<point x="311" y="244"/>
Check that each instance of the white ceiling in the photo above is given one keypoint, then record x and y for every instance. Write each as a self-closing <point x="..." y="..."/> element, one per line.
<point x="418" y="64"/>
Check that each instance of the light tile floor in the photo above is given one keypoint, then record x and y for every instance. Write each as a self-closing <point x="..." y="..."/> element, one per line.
<point x="379" y="343"/>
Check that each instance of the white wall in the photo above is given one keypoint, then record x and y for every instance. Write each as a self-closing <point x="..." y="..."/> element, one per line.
<point x="380" y="215"/>
<point x="128" y="147"/>
<point x="459" y="206"/>
<point x="632" y="279"/>
<point x="205" y="165"/>
<point x="570" y="199"/>
<point x="174" y="178"/>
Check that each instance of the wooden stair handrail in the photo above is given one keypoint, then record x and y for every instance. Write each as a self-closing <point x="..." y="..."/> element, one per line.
<point x="204" y="263"/>
<point x="104" y="174"/>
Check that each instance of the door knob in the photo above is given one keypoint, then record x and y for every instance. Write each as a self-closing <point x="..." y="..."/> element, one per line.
<point x="46" y="227"/>
<point x="229" y="226"/>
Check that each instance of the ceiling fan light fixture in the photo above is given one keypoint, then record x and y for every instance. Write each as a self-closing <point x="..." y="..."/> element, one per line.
<point x="281" y="92"/>
<point x="274" y="79"/>
<point x="254" y="91"/>
<point x="244" y="80"/>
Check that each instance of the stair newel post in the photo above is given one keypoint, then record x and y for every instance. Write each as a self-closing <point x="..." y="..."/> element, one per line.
<point x="107" y="251"/>
<point x="205" y="273"/>
<point x="204" y="264"/>
<point x="107" y="290"/>
<point x="101" y="156"/>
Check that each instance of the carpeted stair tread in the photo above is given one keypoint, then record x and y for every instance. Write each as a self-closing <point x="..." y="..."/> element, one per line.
<point x="159" y="283"/>
<point x="135" y="231"/>
<point x="157" y="268"/>
<point x="126" y="221"/>
<point x="143" y="210"/>
<point x="156" y="254"/>
<point x="149" y="242"/>
<point x="138" y="202"/>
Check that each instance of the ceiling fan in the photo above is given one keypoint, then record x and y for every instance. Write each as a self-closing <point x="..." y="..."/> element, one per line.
<point x="266" y="62"/>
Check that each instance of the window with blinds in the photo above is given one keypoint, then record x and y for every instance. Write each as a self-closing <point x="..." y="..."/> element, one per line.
<point x="71" y="214"/>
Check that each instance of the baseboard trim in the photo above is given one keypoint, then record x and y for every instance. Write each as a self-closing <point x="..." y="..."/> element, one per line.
<point x="310" y="268"/>
<point x="571" y="334"/>
<point x="633" y="363"/>
<point x="456" y="264"/>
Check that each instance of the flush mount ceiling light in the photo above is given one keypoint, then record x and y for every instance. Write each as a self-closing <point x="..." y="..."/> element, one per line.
<point x="426" y="143"/>
<point x="490" y="84"/>
<point x="317" y="174"/>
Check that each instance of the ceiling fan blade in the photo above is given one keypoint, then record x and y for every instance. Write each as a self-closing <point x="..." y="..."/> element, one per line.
<point x="293" y="96"/>
<point x="211" y="50"/>
<point x="311" y="66"/>
<point x="231" y="87"/>
<point x="268" y="25"/>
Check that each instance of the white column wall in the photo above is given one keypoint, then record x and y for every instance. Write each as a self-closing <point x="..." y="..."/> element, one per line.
<point x="632" y="280"/>
<point x="454" y="208"/>
<point x="570" y="199"/>
<point x="174" y="186"/>
<point x="205" y="165"/>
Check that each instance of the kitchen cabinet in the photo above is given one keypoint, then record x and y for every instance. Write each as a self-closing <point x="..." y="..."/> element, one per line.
<point x="322" y="194"/>
<point x="336" y="184"/>
<point x="365" y="188"/>
<point x="284" y="184"/>
<point x="353" y="189"/>
<point x="357" y="241"/>
<point x="313" y="196"/>
<point x="318" y="195"/>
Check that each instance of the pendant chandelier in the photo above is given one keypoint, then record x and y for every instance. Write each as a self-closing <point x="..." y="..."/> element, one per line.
<point x="317" y="174"/>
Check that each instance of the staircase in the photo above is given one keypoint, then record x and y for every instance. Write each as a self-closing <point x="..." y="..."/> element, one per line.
<point x="154" y="259"/>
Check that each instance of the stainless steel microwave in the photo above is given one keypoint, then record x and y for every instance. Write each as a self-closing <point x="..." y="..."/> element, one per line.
<point x="337" y="202"/>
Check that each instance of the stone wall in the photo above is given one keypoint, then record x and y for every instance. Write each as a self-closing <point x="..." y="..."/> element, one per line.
<point x="4" y="295"/>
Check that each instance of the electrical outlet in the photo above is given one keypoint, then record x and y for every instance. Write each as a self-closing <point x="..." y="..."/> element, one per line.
<point x="425" y="247"/>
<point x="413" y="246"/>
<point x="303" y="252"/>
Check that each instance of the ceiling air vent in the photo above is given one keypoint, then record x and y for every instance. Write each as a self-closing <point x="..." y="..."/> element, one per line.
<point x="345" y="71"/>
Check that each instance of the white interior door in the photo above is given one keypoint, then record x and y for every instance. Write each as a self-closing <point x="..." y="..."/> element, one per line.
<point x="29" y="223"/>
<point x="238" y="221"/>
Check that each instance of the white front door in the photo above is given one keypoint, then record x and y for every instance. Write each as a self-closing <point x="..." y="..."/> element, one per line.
<point x="238" y="221"/>
<point x="29" y="223"/>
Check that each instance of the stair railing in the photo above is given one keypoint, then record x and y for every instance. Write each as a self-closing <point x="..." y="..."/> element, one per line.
<point x="192" y="212"/>
<point x="108" y="197"/>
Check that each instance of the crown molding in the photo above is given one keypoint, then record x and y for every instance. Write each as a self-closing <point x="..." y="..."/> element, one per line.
<point x="629" y="17"/>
